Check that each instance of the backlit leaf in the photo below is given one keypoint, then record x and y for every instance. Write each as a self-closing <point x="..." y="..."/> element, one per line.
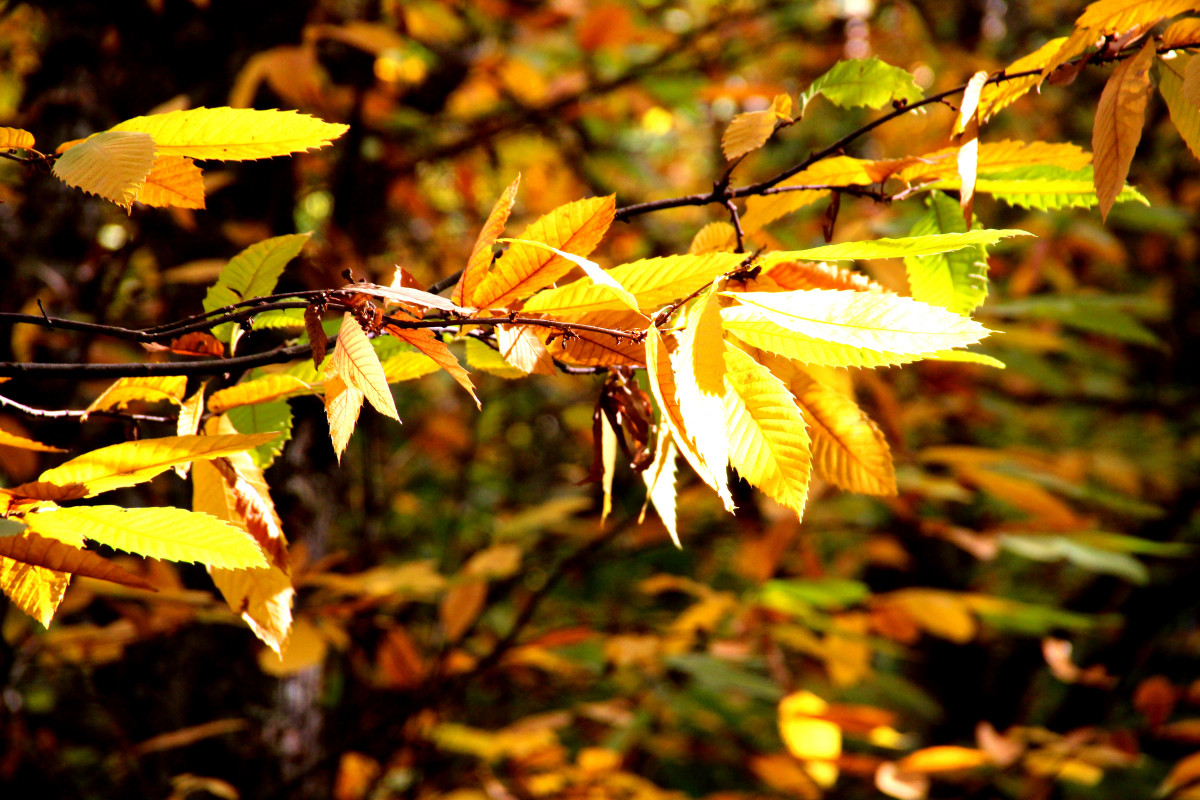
<point x="112" y="165"/>
<point x="768" y="440"/>
<point x="406" y="295"/>
<point x="234" y="134"/>
<point x="155" y="389"/>
<point x="428" y="343"/>
<point x="996" y="157"/>
<point x="1182" y="33"/>
<point x="35" y="590"/>
<point x="660" y="483"/>
<point x="749" y="131"/>
<point x="863" y="82"/>
<point x="1118" y="126"/>
<point x="15" y="137"/>
<point x="358" y="365"/>
<point x="273" y="417"/>
<point x="482" y="357"/>
<point x="575" y="227"/>
<point x="1044" y="187"/>
<point x="131" y="463"/>
<point x="996" y="96"/>
<point x="958" y="280"/>
<point x="608" y="460"/>
<point x="895" y="248"/>
<point x="12" y="440"/>
<point x="792" y="275"/>
<point x="602" y="349"/>
<point x="260" y="390"/>
<point x="520" y="347"/>
<point x="173" y="181"/>
<point x="407" y="365"/>
<point x="804" y="732"/>
<point x="252" y="273"/>
<point x="342" y="406"/>
<point x="1185" y="115"/>
<point x="943" y="758"/>
<point x="885" y="323"/>
<point x="247" y="504"/>
<point x="591" y="269"/>
<point x="835" y="171"/>
<point x="481" y="254"/>
<point x="715" y="237"/>
<point x="55" y="555"/>
<point x="174" y="534"/>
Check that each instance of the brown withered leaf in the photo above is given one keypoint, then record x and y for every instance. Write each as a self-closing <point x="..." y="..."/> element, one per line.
<point x="198" y="343"/>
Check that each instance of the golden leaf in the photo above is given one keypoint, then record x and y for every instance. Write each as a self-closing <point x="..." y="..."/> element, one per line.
<point x="131" y="463"/>
<point x="715" y="237"/>
<point x="232" y="134"/>
<point x="408" y="365"/>
<point x="56" y="555"/>
<point x="12" y="440"/>
<point x="940" y="613"/>
<point x="521" y="347"/>
<point x="174" y="534"/>
<point x="660" y="483"/>
<point x="112" y="165"/>
<point x="749" y="131"/>
<point x="259" y="390"/>
<point x="357" y="364"/>
<point x="996" y="157"/>
<point x="601" y="349"/>
<point x="15" y="137"/>
<point x="248" y="504"/>
<point x="1182" y="33"/>
<point x="576" y="228"/>
<point x="306" y="648"/>
<point x="173" y="181"/>
<point x="608" y="459"/>
<point x="1105" y="17"/>
<point x="153" y="389"/>
<point x="792" y="275"/>
<point x="996" y="96"/>
<point x="342" y="405"/>
<point x="460" y="607"/>
<point x="806" y="735"/>
<point x="428" y="343"/>
<point x="35" y="590"/>
<point x="768" y="440"/>
<point x="1185" y="115"/>
<point x="943" y="758"/>
<point x="481" y="254"/>
<point x="835" y="171"/>
<point x="1120" y="116"/>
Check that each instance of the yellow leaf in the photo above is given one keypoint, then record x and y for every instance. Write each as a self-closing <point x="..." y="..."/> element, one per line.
<point x="768" y="440"/>
<point x="943" y="758"/>
<point x="358" y="365"/>
<point x="750" y="131"/>
<point x="131" y="463"/>
<point x="661" y="378"/>
<point x="306" y="648"/>
<point x="190" y="411"/>
<point x="1105" y="17"/>
<point x="970" y="103"/>
<point x="996" y="157"/>
<point x="715" y="237"/>
<point x="407" y="366"/>
<point x="1025" y="495"/>
<point x="1118" y="126"/>
<point x="521" y="347"/>
<point x="428" y="343"/>
<point x="591" y="269"/>
<point x="12" y="440"/>
<point x="58" y="556"/>
<point x="342" y="404"/>
<point x="835" y="171"/>
<point x="848" y="448"/>
<point x="233" y="134"/>
<point x="496" y="562"/>
<point x="699" y="367"/>
<point x="112" y="165"/>
<point x="576" y="228"/>
<point x="660" y="483"/>
<point x="846" y="328"/>
<point x="155" y="389"/>
<point x="260" y="390"/>
<point x="35" y="590"/>
<point x="846" y="649"/>
<point x="940" y="613"/>
<point x="1191" y="82"/>
<point x="482" y="357"/>
<point x="15" y="137"/>
<point x="263" y="597"/>
<point x="996" y="96"/>
<point x="247" y="503"/>
<point x="601" y="349"/>
<point x="1182" y="33"/>
<point x="173" y="181"/>
<point x="481" y="254"/>
<point x="1185" y="115"/>
<point x="608" y="458"/>
<point x="173" y="534"/>
<point x="792" y="275"/>
<point x="807" y="736"/>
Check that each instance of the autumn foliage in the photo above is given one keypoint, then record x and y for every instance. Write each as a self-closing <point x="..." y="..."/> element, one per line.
<point x="859" y="421"/>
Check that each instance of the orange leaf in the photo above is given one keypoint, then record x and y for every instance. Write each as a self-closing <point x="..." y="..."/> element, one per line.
<point x="173" y="181"/>
<point x="1118" y="127"/>
<point x="576" y="228"/>
<point x="481" y="253"/>
<point x="198" y="343"/>
<point x="428" y="343"/>
<point x="51" y="554"/>
<point x="460" y="607"/>
<point x="943" y="758"/>
<point x="600" y="349"/>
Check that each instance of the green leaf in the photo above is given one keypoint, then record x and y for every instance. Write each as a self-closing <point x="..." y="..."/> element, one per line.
<point x="894" y="248"/>
<point x="863" y="82"/>
<point x="1108" y="315"/>
<point x="799" y="596"/>
<point x="252" y="273"/>
<point x="273" y="417"/>
<point x="957" y="280"/>
<point x="174" y="534"/>
<point x="1044" y="187"/>
<point x="1093" y="559"/>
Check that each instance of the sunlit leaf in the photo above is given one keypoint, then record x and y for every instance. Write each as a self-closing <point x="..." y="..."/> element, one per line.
<point x="482" y="357"/>
<point x="174" y="534"/>
<point x="835" y="171"/>
<point x="131" y="463"/>
<point x="956" y="281"/>
<point x="234" y="134"/>
<point x="1186" y="116"/>
<point x="272" y="417"/>
<point x="996" y="157"/>
<point x="173" y="181"/>
<point x="996" y="96"/>
<point x="342" y="406"/>
<point x="12" y="440"/>
<point x="481" y="254"/>
<point x="252" y="273"/>
<point x="895" y="248"/>
<point x="428" y="343"/>
<point x="358" y="365"/>
<point x="715" y="237"/>
<point x="260" y="390"/>
<point x="156" y="389"/>
<point x="660" y="483"/>
<point x="593" y="348"/>
<point x="749" y="131"/>
<point x="943" y="758"/>
<point x="1118" y="125"/>
<point x="15" y="137"/>
<point x="1044" y="187"/>
<point x="863" y="82"/>
<point x="112" y="165"/>
<point x="576" y="228"/>
<point x="520" y="347"/>
<point x="58" y="556"/>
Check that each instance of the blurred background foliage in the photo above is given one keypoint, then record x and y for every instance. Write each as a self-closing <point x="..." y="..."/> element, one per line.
<point x="1020" y="621"/>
